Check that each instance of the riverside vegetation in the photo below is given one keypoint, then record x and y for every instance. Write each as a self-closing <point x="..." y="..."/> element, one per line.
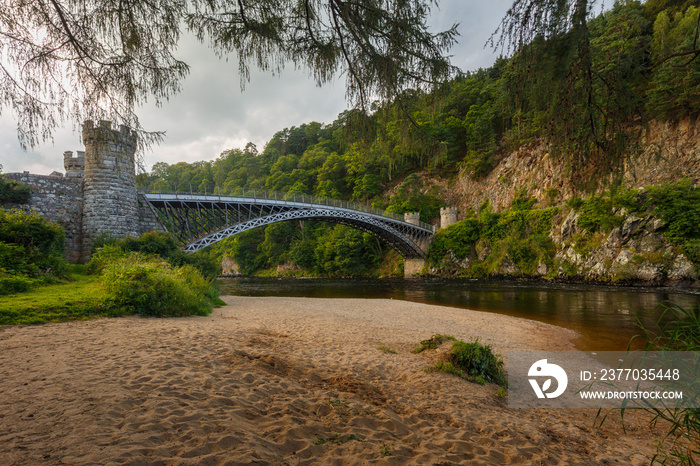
<point x="149" y="276"/>
<point x="655" y="229"/>
<point x="588" y="93"/>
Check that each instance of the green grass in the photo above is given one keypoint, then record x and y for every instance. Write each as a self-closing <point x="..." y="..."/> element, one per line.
<point x="387" y="349"/>
<point x="80" y="299"/>
<point x="433" y="342"/>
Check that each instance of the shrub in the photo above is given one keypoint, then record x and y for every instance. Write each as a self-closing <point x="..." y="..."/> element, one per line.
<point x="458" y="238"/>
<point x="691" y="249"/>
<point x="157" y="243"/>
<point x="151" y="287"/>
<point x="597" y="214"/>
<point x="14" y="191"/>
<point x="679" y="205"/>
<point x="409" y="197"/>
<point x="477" y="361"/>
<point x="471" y="361"/>
<point x="103" y="256"/>
<point x="522" y="201"/>
<point x="31" y="245"/>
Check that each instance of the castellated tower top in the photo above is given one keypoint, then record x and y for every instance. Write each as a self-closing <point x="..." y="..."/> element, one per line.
<point x="412" y="217"/>
<point x="103" y="135"/>
<point x="74" y="165"/>
<point x="448" y="216"/>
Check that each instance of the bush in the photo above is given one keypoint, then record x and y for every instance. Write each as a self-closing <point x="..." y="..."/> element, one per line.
<point x="478" y="361"/>
<point x="14" y="191"/>
<point x="597" y="214"/>
<point x="151" y="287"/>
<point x="522" y="201"/>
<point x="103" y="256"/>
<point x="164" y="245"/>
<point x="156" y="243"/>
<point x="31" y="245"/>
<point x="679" y="205"/>
<point x="458" y="238"/>
<point x="521" y="233"/>
<point x="409" y="197"/>
<point x="472" y="361"/>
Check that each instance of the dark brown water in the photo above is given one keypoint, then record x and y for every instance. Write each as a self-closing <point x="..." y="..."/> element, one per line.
<point x="605" y="316"/>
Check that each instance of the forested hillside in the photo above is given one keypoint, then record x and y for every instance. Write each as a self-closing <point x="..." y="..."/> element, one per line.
<point x="588" y="92"/>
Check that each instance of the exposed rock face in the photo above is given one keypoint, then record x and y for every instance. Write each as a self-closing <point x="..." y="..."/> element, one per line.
<point x="682" y="269"/>
<point x="634" y="252"/>
<point x="229" y="267"/>
<point x="666" y="153"/>
<point x="570" y="226"/>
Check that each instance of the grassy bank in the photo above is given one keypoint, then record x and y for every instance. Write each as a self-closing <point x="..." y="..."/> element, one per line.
<point x="81" y="298"/>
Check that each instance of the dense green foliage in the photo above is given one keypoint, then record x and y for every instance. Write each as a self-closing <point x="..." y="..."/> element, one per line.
<point x="487" y="240"/>
<point x="155" y="243"/>
<point x="14" y="192"/>
<point x="146" y="275"/>
<point x="584" y="82"/>
<point x="596" y="213"/>
<point x="31" y="250"/>
<point x="150" y="286"/>
<point x="478" y="361"/>
<point x="306" y="248"/>
<point x="150" y="275"/>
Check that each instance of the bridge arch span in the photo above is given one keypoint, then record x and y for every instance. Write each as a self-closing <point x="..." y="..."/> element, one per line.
<point x="201" y="220"/>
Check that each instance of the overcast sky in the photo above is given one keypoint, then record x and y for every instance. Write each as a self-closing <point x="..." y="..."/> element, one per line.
<point x="211" y="114"/>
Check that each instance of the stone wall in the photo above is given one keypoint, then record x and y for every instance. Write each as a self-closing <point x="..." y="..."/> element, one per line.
<point x="147" y="218"/>
<point x="58" y="199"/>
<point x="96" y="196"/>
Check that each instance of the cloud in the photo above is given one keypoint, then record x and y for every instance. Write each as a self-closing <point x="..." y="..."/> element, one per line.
<point x="212" y="114"/>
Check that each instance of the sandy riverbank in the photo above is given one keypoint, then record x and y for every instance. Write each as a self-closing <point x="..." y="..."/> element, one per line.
<point x="283" y="381"/>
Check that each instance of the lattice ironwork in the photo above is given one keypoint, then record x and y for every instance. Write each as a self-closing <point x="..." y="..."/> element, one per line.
<point x="200" y="220"/>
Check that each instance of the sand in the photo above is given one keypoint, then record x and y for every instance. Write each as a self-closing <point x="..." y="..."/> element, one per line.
<point x="284" y="381"/>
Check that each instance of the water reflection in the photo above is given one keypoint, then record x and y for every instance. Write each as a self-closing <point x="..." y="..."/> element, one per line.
<point x="605" y="316"/>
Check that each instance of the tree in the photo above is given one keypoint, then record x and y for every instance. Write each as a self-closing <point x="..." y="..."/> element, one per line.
<point x="99" y="59"/>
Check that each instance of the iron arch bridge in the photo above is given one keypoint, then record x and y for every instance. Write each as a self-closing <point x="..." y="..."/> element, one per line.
<point x="198" y="220"/>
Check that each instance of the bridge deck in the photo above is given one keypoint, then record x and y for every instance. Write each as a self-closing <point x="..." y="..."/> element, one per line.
<point x="202" y="219"/>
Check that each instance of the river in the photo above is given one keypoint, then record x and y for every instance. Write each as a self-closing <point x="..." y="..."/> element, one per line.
<point x="605" y="316"/>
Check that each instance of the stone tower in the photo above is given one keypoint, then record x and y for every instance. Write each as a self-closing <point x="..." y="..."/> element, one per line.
<point x="74" y="165"/>
<point x="448" y="216"/>
<point x="412" y="217"/>
<point x="109" y="184"/>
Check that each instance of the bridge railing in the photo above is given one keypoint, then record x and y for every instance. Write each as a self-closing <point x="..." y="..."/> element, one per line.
<point x="253" y="193"/>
